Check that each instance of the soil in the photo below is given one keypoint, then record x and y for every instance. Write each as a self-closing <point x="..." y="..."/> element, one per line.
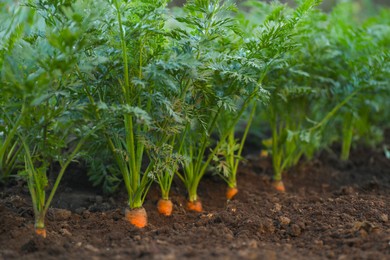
<point x="331" y="210"/>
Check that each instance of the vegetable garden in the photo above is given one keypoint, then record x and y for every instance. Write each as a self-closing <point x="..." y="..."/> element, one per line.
<point x="133" y="129"/>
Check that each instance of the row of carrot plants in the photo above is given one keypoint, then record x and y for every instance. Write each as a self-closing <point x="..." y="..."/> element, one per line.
<point x="144" y="94"/>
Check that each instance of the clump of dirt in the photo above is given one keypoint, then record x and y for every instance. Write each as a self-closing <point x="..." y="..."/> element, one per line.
<point x="332" y="209"/>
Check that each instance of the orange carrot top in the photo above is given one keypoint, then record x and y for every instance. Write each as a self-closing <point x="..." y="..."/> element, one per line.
<point x="195" y="205"/>
<point x="137" y="217"/>
<point x="231" y="192"/>
<point x="165" y="207"/>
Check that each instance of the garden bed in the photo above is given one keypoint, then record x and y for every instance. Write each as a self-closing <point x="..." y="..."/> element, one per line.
<point x="331" y="210"/>
<point x="142" y="94"/>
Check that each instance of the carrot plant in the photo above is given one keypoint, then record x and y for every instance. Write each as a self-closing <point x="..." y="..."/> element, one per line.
<point x="157" y="95"/>
<point x="128" y="148"/>
<point x="136" y="100"/>
<point x="178" y="70"/>
<point x="364" y="47"/>
<point x="290" y="108"/>
<point x="167" y="164"/>
<point x="211" y="41"/>
<point x="35" y="173"/>
<point x="354" y="76"/>
<point x="9" y="146"/>
<point x="14" y="20"/>
<point x="228" y="156"/>
<point x="306" y="96"/>
<point x="171" y="109"/>
<point x="266" y="41"/>
<point x="275" y="41"/>
<point x="38" y="76"/>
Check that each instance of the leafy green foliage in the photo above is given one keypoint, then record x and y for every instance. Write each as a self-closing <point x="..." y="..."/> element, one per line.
<point x="145" y="88"/>
<point x="44" y="124"/>
<point x="334" y="74"/>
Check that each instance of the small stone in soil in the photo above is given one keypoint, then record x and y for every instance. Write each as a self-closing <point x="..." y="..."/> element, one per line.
<point x="61" y="214"/>
<point x="247" y="254"/>
<point x="86" y="214"/>
<point x="230" y="236"/>
<point x="284" y="220"/>
<point x="363" y="233"/>
<point x="277" y="207"/>
<point x="91" y="248"/>
<point x="252" y="244"/>
<point x="65" y="232"/>
<point x="301" y="224"/>
<point x="384" y="217"/>
<point x="295" y="230"/>
<point x="347" y="190"/>
<point x="342" y="257"/>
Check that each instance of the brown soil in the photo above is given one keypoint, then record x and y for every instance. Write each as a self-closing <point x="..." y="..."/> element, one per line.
<point x="332" y="210"/>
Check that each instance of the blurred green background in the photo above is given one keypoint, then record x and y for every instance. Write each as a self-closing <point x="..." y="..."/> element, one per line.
<point x="367" y="5"/>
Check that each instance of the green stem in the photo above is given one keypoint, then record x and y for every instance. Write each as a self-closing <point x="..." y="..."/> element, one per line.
<point x="11" y="134"/>
<point x="134" y="149"/>
<point x="248" y="125"/>
<point x="39" y="220"/>
<point x="192" y="194"/>
<point x="124" y="53"/>
<point x="193" y="181"/>
<point x="235" y="159"/>
<point x="347" y="136"/>
<point x="334" y="111"/>
<point x="276" y="150"/>
<point x="62" y="171"/>
<point x="130" y="144"/>
<point x="204" y="141"/>
<point x="165" y="179"/>
<point x="234" y="123"/>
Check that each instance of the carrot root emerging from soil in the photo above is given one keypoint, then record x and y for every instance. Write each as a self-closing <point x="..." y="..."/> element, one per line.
<point x="165" y="207"/>
<point x="231" y="192"/>
<point x="279" y="186"/>
<point x="264" y="154"/>
<point x="41" y="232"/>
<point x="137" y="217"/>
<point x="195" y="205"/>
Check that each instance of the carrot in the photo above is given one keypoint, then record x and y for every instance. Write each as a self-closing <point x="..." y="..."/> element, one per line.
<point x="41" y="232"/>
<point x="195" y="205"/>
<point x="264" y="153"/>
<point x="279" y="186"/>
<point x="137" y="217"/>
<point x="231" y="192"/>
<point x="165" y="206"/>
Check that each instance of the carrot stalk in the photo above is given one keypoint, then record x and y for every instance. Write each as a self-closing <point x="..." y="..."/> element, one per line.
<point x="195" y="205"/>
<point x="137" y="217"/>
<point x="165" y="207"/>
<point x="279" y="186"/>
<point x="231" y="192"/>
